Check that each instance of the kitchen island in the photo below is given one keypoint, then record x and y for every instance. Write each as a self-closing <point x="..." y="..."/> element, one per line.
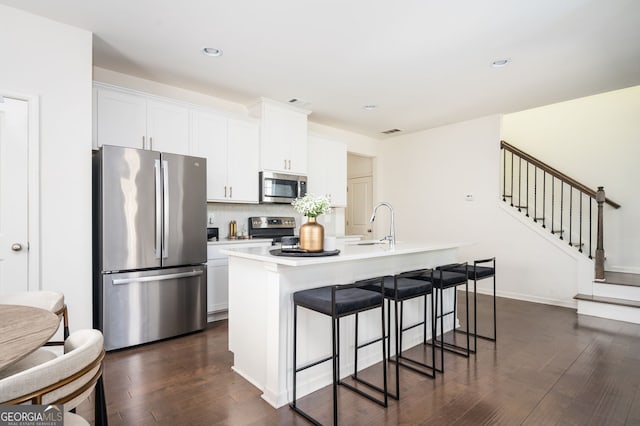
<point x="261" y="310"/>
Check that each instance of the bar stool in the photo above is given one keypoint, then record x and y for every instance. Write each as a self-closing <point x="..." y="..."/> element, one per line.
<point x="477" y="273"/>
<point x="442" y="280"/>
<point x="338" y="301"/>
<point x="49" y="300"/>
<point x="400" y="288"/>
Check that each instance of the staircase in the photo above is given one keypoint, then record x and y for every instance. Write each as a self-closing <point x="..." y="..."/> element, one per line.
<point x="573" y="213"/>
<point x="617" y="297"/>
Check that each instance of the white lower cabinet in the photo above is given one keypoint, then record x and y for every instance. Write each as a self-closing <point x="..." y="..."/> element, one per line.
<point x="218" y="276"/>
<point x="217" y="285"/>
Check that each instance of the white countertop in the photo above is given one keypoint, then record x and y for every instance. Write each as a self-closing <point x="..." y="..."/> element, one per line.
<point x="241" y="241"/>
<point x="348" y="252"/>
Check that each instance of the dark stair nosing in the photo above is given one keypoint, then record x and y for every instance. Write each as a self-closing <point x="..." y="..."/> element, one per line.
<point x="560" y="231"/>
<point x="608" y="300"/>
<point x="621" y="278"/>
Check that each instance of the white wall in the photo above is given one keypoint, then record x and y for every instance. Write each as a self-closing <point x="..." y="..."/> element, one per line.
<point x="53" y="61"/>
<point x="595" y="140"/>
<point x="426" y="176"/>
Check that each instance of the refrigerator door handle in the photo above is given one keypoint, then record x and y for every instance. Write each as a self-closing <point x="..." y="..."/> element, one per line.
<point x="158" y="210"/>
<point x="165" y="227"/>
<point x="120" y="281"/>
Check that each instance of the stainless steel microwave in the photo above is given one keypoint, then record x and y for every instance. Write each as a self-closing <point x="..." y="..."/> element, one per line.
<point x="281" y="188"/>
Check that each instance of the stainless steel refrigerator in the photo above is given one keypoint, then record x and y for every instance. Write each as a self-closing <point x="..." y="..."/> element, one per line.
<point x="150" y="245"/>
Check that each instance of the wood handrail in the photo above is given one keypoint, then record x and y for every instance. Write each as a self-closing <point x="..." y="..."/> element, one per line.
<point x="554" y="172"/>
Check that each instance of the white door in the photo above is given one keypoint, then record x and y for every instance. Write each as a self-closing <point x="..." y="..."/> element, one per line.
<point x="14" y="242"/>
<point x="359" y="206"/>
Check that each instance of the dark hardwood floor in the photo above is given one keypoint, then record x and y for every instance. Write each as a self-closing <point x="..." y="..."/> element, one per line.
<point x="549" y="366"/>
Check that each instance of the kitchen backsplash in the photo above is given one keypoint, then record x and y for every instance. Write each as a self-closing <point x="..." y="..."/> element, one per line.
<point x="222" y="214"/>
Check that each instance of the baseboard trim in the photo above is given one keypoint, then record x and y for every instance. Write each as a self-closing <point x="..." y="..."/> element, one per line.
<point x="529" y="298"/>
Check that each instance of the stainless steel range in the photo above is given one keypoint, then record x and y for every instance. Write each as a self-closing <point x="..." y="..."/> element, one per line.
<point x="271" y="227"/>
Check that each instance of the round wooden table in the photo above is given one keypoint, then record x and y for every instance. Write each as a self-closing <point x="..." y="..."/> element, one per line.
<point x="23" y="329"/>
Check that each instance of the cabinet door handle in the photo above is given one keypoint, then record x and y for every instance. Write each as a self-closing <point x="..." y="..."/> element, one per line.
<point x="289" y="164"/>
<point x="143" y="145"/>
<point x="285" y="164"/>
<point x="151" y="143"/>
<point x="231" y="192"/>
<point x="225" y="191"/>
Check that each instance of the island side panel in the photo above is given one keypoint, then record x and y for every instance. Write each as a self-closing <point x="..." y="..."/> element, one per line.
<point x="248" y="328"/>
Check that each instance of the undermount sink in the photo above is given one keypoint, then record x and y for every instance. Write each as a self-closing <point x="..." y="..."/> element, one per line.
<point x="370" y="243"/>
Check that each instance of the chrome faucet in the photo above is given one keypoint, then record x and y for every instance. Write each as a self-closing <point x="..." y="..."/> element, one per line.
<point x="391" y="238"/>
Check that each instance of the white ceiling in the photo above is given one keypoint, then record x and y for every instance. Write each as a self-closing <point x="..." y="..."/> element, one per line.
<point x="425" y="63"/>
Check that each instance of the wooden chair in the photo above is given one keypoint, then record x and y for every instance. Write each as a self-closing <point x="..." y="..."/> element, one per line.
<point x="68" y="379"/>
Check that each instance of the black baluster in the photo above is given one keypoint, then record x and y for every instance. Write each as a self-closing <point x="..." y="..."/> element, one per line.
<point x="544" y="198"/>
<point x="535" y="194"/>
<point x="512" y="179"/>
<point x="580" y="239"/>
<point x="590" y="227"/>
<point x="527" y="206"/>
<point x="519" y="182"/>
<point x="570" y="213"/>
<point x="504" y="174"/>
<point x="561" y="206"/>
<point x="553" y="201"/>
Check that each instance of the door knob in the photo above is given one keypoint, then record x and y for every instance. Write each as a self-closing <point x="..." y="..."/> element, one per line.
<point x="16" y="246"/>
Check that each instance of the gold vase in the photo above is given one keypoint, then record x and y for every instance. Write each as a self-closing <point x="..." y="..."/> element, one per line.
<point x="312" y="235"/>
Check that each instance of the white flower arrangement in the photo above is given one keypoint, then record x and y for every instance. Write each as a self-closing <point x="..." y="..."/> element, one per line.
<point x="311" y="205"/>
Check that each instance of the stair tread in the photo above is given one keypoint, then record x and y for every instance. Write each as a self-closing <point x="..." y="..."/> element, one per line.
<point x="621" y="278"/>
<point x="609" y="300"/>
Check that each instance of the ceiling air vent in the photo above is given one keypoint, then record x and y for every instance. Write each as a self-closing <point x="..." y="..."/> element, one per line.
<point x="299" y="103"/>
<point x="390" y="131"/>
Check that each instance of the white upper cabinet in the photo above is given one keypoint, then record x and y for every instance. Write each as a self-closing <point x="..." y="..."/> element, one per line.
<point x="283" y="137"/>
<point x="328" y="170"/>
<point x="243" y="159"/>
<point x="137" y="121"/>
<point x="168" y="127"/>
<point x="231" y="148"/>
<point x="231" y="145"/>
<point x="120" y="119"/>
<point x="209" y="140"/>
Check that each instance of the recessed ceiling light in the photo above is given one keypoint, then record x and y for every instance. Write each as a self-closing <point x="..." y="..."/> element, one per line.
<point x="499" y="63"/>
<point x="370" y="107"/>
<point x="212" y="51"/>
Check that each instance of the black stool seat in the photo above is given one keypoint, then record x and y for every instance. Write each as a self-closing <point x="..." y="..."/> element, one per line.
<point x="407" y="288"/>
<point x="446" y="278"/>
<point x="474" y="273"/>
<point x="348" y="301"/>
